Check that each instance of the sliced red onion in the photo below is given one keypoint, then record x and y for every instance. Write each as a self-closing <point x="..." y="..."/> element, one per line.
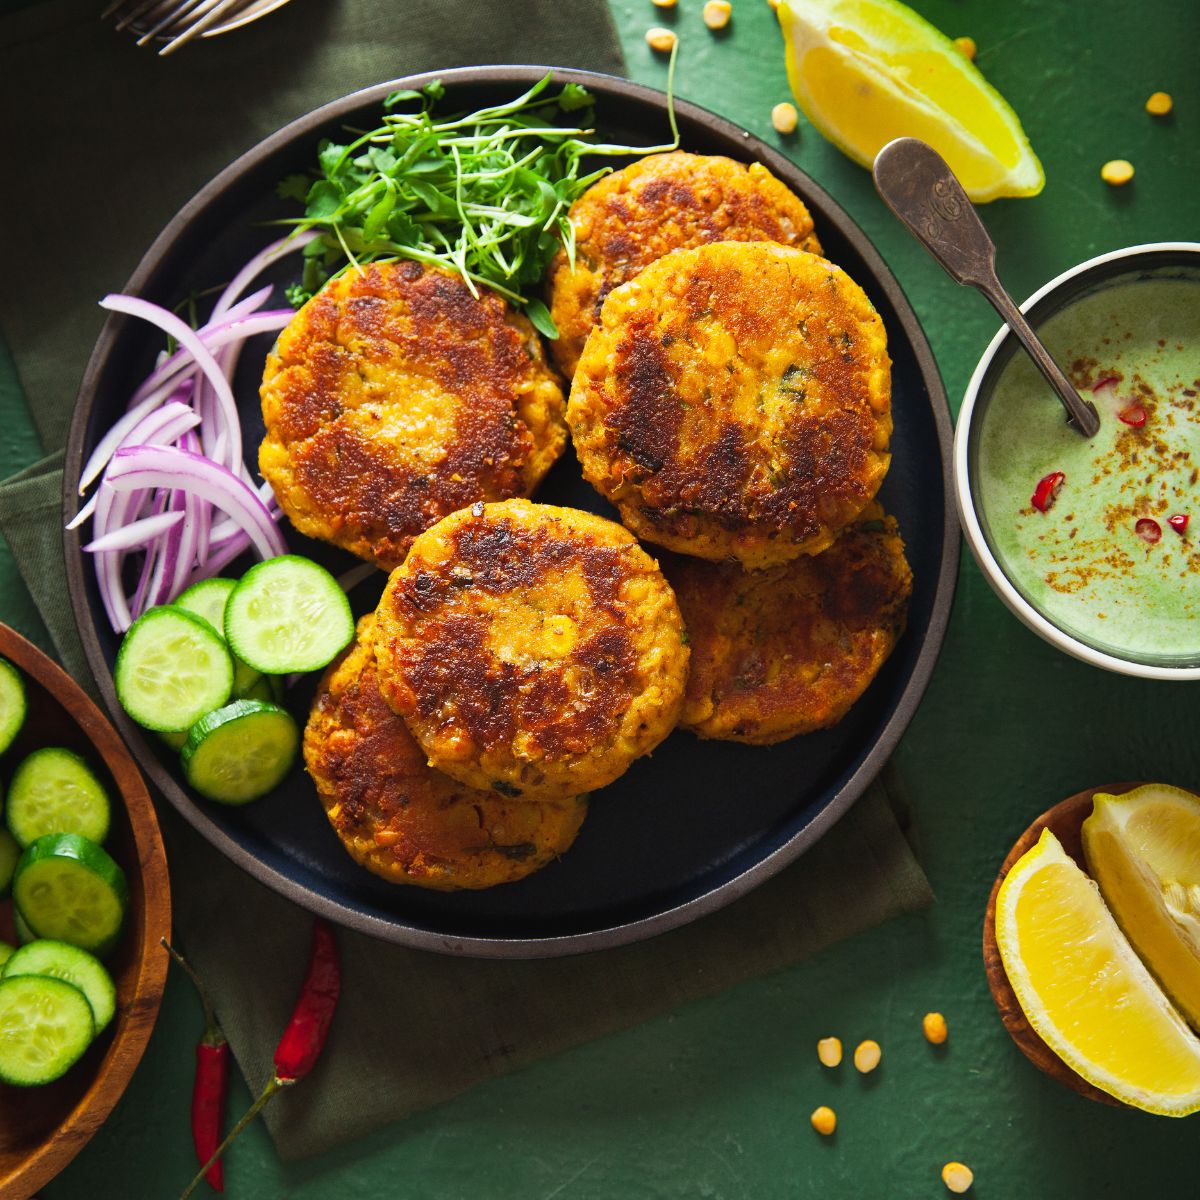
<point x="185" y="335"/>
<point x="139" y="533"/>
<point x="259" y="263"/>
<point x="127" y="426"/>
<point x="233" y="330"/>
<point x="167" y="467"/>
<point x="193" y="509"/>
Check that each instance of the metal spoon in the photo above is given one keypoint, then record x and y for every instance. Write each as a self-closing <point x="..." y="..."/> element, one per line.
<point x="918" y="186"/>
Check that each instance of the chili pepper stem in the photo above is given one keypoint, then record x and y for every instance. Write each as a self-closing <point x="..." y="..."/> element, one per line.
<point x="212" y="1031"/>
<point x="273" y="1086"/>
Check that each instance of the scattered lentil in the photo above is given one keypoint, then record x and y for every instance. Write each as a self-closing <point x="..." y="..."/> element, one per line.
<point x="829" y="1051"/>
<point x="967" y="47"/>
<point x="717" y="13"/>
<point x="661" y="40"/>
<point x="934" y="1026"/>
<point x="1159" y="104"/>
<point x="784" y="117"/>
<point x="867" y="1055"/>
<point x="824" y="1120"/>
<point x="957" y="1177"/>
<point x="1116" y="172"/>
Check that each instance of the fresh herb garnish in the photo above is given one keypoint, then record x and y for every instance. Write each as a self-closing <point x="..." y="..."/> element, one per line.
<point x="484" y="194"/>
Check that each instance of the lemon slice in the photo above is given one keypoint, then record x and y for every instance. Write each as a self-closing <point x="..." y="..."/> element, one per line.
<point x="1086" y="992"/>
<point x="868" y="71"/>
<point x="1143" y="849"/>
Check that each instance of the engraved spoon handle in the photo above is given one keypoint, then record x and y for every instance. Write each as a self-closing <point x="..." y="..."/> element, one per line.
<point x="918" y="186"/>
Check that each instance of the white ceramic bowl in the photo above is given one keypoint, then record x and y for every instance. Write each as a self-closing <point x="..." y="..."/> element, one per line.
<point x="1060" y="291"/>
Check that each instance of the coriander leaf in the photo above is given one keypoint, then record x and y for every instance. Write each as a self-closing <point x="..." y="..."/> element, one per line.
<point x="574" y="96"/>
<point x="293" y="187"/>
<point x="324" y="199"/>
<point x="329" y="154"/>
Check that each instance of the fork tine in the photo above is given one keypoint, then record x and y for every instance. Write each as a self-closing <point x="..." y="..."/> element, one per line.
<point x="185" y="9"/>
<point x="223" y="6"/>
<point x="135" y="11"/>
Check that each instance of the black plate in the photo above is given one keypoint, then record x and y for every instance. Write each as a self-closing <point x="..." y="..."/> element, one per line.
<point x="682" y="833"/>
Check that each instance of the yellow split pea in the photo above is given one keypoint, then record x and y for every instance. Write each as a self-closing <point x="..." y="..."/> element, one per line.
<point x="1159" y="104"/>
<point x="957" y="1177"/>
<point x="934" y="1026"/>
<point x="717" y="14"/>
<point x="867" y="1055"/>
<point x="661" y="40"/>
<point x="824" y="1120"/>
<point x="1117" y="172"/>
<point x="829" y="1051"/>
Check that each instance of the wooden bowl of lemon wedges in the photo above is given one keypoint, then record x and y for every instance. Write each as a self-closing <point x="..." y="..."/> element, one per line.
<point x="1092" y="945"/>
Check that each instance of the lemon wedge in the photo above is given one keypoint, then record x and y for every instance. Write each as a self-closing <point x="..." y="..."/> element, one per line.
<point x="1086" y="992"/>
<point x="868" y="71"/>
<point x="1143" y="849"/>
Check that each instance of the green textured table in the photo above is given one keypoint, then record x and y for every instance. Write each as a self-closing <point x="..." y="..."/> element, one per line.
<point x="713" y="1101"/>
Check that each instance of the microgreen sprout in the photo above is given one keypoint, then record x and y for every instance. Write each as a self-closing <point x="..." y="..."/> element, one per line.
<point x="485" y="194"/>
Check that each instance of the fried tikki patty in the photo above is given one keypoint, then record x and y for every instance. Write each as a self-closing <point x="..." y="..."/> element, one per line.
<point x="533" y="650"/>
<point x="658" y="204"/>
<point x="735" y="401"/>
<point x="397" y="816"/>
<point x="395" y="397"/>
<point x="788" y="650"/>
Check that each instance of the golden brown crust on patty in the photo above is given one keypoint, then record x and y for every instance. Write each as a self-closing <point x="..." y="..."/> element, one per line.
<point x="397" y="816"/>
<point x="658" y="204"/>
<point x="395" y="397"/>
<point x="788" y="650"/>
<point x="531" y="649"/>
<point x="735" y="400"/>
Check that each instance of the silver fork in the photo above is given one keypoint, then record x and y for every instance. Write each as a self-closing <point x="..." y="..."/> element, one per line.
<point x="178" y="20"/>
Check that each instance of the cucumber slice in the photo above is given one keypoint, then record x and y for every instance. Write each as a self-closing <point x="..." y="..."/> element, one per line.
<point x="240" y="752"/>
<point x="45" y="1026"/>
<point x="55" y="791"/>
<point x="68" y="889"/>
<point x="58" y="960"/>
<point x="175" y="738"/>
<point x="286" y="615"/>
<point x="261" y="690"/>
<point x="6" y="952"/>
<point x="12" y="703"/>
<point x="9" y="853"/>
<point x="25" y="935"/>
<point x="207" y="599"/>
<point x="172" y="668"/>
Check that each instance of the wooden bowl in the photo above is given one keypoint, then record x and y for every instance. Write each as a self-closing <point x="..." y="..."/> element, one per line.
<point x="1065" y="821"/>
<point x="42" y="1129"/>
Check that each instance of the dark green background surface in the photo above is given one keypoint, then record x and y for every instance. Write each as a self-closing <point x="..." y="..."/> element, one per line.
<point x="713" y="1101"/>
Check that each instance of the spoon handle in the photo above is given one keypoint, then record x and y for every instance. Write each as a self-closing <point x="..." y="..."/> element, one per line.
<point x="917" y="184"/>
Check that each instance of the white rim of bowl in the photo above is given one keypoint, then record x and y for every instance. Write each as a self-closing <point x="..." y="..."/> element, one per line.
<point x="987" y="561"/>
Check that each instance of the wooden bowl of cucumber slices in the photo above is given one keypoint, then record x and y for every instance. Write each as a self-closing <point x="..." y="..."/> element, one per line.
<point x="84" y="902"/>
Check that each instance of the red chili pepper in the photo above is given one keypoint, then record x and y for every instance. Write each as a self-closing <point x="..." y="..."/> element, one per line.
<point x="211" y="1084"/>
<point x="1106" y="381"/>
<point x="1148" y="529"/>
<point x="1179" y="523"/>
<point x="1134" y="415"/>
<point x="1047" y="490"/>
<point x="304" y="1037"/>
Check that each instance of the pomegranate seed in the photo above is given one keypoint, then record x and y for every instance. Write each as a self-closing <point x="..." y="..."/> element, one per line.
<point x="1148" y="529"/>
<point x="1047" y="490"/>
<point x="1107" y="381"/>
<point x="1179" y="523"/>
<point x="1134" y="415"/>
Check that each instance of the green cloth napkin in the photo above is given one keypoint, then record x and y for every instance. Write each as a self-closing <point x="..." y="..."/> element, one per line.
<point x="116" y="141"/>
